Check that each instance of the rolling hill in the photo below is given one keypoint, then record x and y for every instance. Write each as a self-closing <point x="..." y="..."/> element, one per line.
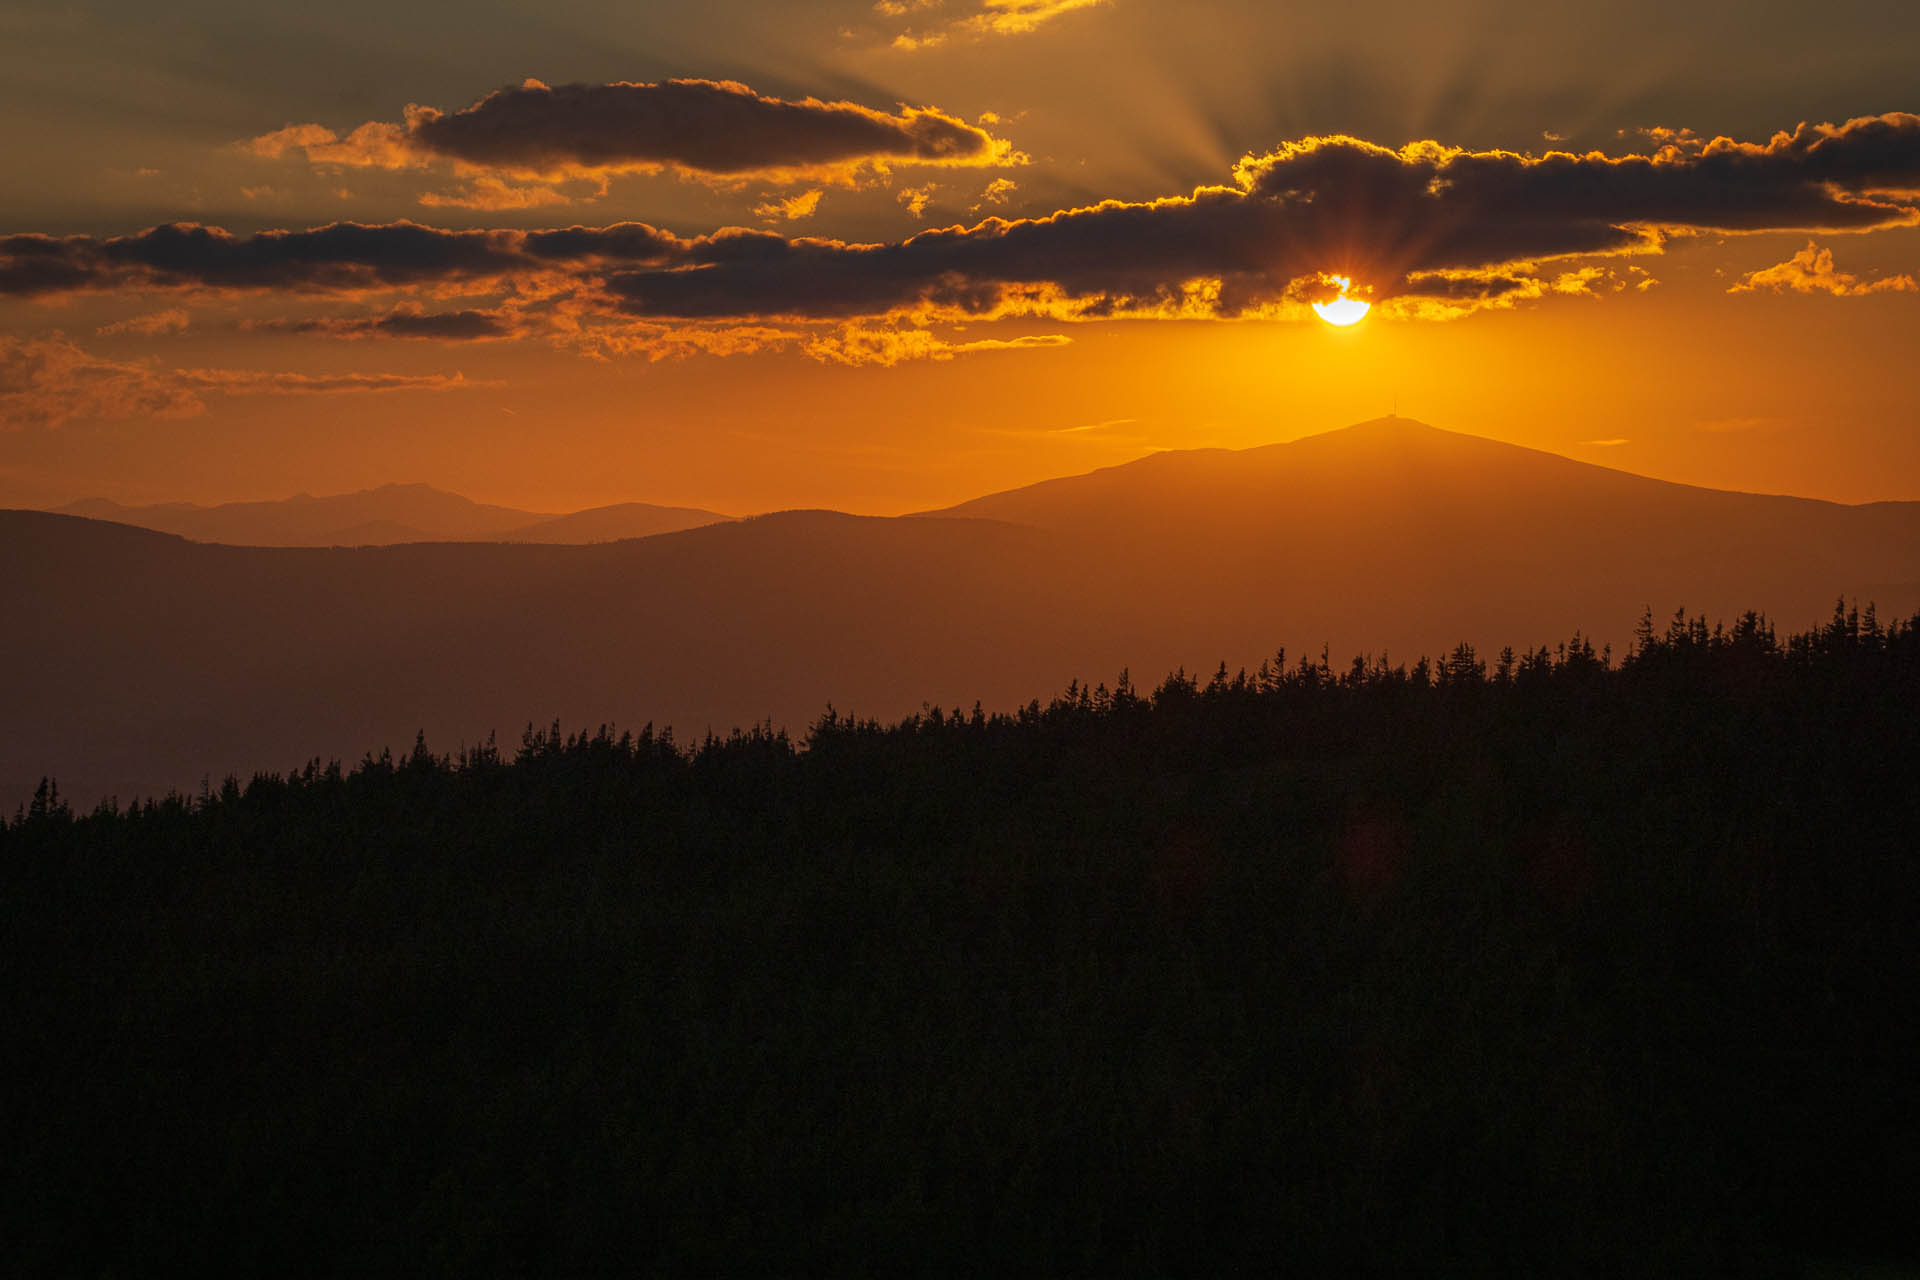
<point x="1393" y="533"/>
<point x="610" y="524"/>
<point x="146" y="661"/>
<point x="387" y="515"/>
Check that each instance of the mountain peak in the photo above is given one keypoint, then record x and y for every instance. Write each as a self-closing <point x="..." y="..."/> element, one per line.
<point x="1394" y="422"/>
<point x="1389" y="427"/>
<point x="406" y="487"/>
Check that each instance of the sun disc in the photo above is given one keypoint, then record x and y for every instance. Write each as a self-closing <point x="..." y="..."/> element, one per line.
<point x="1343" y="311"/>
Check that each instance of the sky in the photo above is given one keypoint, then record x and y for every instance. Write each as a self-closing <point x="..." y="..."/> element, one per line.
<point x="888" y="256"/>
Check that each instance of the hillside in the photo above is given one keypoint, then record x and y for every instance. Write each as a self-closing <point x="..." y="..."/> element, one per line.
<point x="609" y="524"/>
<point x="387" y="515"/>
<point x="1546" y="972"/>
<point x="1396" y="533"/>
<point x="392" y="512"/>
<point x="158" y="661"/>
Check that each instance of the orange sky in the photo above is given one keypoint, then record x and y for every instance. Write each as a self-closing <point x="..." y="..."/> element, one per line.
<point x="1737" y="313"/>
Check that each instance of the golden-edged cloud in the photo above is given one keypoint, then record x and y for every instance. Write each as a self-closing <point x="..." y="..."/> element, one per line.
<point x="516" y="145"/>
<point x="1418" y="221"/>
<point x="992" y="18"/>
<point x="791" y="208"/>
<point x="858" y="344"/>
<point x="1424" y="230"/>
<point x="1812" y="271"/>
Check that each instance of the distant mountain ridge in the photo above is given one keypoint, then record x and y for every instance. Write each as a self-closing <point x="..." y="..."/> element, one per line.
<point x="1366" y="527"/>
<point x="389" y="514"/>
<point x="155" y="661"/>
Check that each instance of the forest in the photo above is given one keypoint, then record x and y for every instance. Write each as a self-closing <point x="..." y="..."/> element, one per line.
<point x="1552" y="962"/>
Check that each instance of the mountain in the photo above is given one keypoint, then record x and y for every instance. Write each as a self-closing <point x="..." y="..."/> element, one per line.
<point x="148" y="661"/>
<point x="1393" y="533"/>
<point x="137" y="661"/>
<point x="390" y="513"/>
<point x="609" y="524"/>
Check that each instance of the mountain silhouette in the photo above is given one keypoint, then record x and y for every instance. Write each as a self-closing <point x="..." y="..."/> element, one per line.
<point x="148" y="661"/>
<point x="138" y="661"/>
<point x="609" y="524"/>
<point x="390" y="514"/>
<point x="1392" y="532"/>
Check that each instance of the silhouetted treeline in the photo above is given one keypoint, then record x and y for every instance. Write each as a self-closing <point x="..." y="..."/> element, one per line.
<point x="1538" y="963"/>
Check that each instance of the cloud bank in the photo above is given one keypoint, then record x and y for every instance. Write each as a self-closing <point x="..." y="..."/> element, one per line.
<point x="1425" y="229"/>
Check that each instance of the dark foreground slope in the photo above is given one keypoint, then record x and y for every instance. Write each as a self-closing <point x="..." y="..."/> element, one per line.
<point x="1566" y="970"/>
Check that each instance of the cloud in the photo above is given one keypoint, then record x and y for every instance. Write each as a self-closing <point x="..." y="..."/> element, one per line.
<point x="1424" y="231"/>
<point x="1450" y="295"/>
<point x="46" y="382"/>
<point x="172" y="320"/>
<point x="1812" y="271"/>
<point x="490" y="193"/>
<point x="993" y="18"/>
<point x="708" y="129"/>
<point x="341" y="257"/>
<point x="405" y="321"/>
<point x="656" y="342"/>
<point x="858" y="344"/>
<point x="996" y="192"/>
<point x="792" y="209"/>
<point x="916" y="199"/>
<point x="248" y="382"/>
<point x="1389" y="218"/>
<point x="373" y="145"/>
<point x="1017" y="17"/>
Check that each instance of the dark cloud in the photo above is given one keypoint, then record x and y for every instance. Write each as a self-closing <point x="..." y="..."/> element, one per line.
<point x="720" y="128"/>
<point x="340" y="257"/>
<point x="1421" y="222"/>
<point x="402" y="322"/>
<point x="35" y="264"/>
<point x="706" y="125"/>
<point x="628" y="243"/>
<point x="1472" y="287"/>
<point x="1386" y="217"/>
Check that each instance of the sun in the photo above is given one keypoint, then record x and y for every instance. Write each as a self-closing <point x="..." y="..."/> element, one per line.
<point x="1342" y="311"/>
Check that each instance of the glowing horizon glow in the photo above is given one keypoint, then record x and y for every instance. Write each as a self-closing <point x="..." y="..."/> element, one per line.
<point x="226" y="296"/>
<point x="1342" y="311"/>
